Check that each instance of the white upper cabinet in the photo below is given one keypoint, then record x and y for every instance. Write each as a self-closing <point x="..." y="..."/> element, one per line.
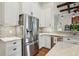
<point x="46" y="18"/>
<point x="26" y="7"/>
<point x="10" y="13"/>
<point x="36" y="9"/>
<point x="31" y="8"/>
<point x="47" y="15"/>
<point x="1" y="13"/>
<point x="42" y="19"/>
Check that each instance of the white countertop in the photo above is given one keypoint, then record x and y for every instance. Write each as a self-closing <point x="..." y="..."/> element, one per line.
<point x="49" y="31"/>
<point x="64" y="49"/>
<point x="59" y="34"/>
<point x="6" y="39"/>
<point x="53" y="34"/>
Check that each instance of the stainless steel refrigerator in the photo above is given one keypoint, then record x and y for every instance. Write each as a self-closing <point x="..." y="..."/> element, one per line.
<point x="30" y="34"/>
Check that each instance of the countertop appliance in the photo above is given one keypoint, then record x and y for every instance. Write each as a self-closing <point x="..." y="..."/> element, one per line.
<point x="30" y="34"/>
<point x="67" y="27"/>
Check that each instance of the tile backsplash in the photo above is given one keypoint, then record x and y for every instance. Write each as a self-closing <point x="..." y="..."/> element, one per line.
<point x="10" y="31"/>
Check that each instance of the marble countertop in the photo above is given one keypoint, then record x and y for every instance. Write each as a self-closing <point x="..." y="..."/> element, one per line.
<point x="64" y="49"/>
<point x="52" y="34"/>
<point x="6" y="39"/>
<point x="68" y="34"/>
<point x="49" y="31"/>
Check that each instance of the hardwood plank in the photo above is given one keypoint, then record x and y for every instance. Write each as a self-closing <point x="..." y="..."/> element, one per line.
<point x="42" y="52"/>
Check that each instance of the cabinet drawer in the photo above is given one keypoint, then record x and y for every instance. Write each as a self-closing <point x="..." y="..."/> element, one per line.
<point x="71" y="40"/>
<point x="12" y="50"/>
<point x="13" y="43"/>
<point x="16" y="54"/>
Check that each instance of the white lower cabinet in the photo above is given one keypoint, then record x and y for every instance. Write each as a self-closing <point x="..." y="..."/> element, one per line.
<point x="10" y="48"/>
<point x="44" y="41"/>
<point x="72" y="40"/>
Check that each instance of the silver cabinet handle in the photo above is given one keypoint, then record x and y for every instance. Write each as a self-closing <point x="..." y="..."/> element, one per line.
<point x="68" y="39"/>
<point x="14" y="43"/>
<point x="14" y="49"/>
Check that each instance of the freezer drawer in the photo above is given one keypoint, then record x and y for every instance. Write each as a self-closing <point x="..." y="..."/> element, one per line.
<point x="31" y="49"/>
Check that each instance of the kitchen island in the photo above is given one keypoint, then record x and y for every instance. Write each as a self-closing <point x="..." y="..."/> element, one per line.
<point x="67" y="47"/>
<point x="64" y="49"/>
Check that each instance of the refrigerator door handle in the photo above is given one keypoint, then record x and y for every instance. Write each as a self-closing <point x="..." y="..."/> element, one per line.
<point x="28" y="30"/>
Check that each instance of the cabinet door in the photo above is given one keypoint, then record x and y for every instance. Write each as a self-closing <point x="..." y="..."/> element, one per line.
<point x="56" y="17"/>
<point x="36" y="9"/>
<point x="1" y="13"/>
<point x="31" y="8"/>
<point x="11" y="13"/>
<point x="45" y="41"/>
<point x="48" y="19"/>
<point x="41" y="41"/>
<point x="45" y="17"/>
<point x="27" y="7"/>
<point x="42" y="19"/>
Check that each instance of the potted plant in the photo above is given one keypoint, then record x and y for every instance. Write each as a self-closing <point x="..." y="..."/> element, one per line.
<point x="74" y="28"/>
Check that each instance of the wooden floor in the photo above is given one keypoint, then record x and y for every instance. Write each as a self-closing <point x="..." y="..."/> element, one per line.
<point x="42" y="52"/>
